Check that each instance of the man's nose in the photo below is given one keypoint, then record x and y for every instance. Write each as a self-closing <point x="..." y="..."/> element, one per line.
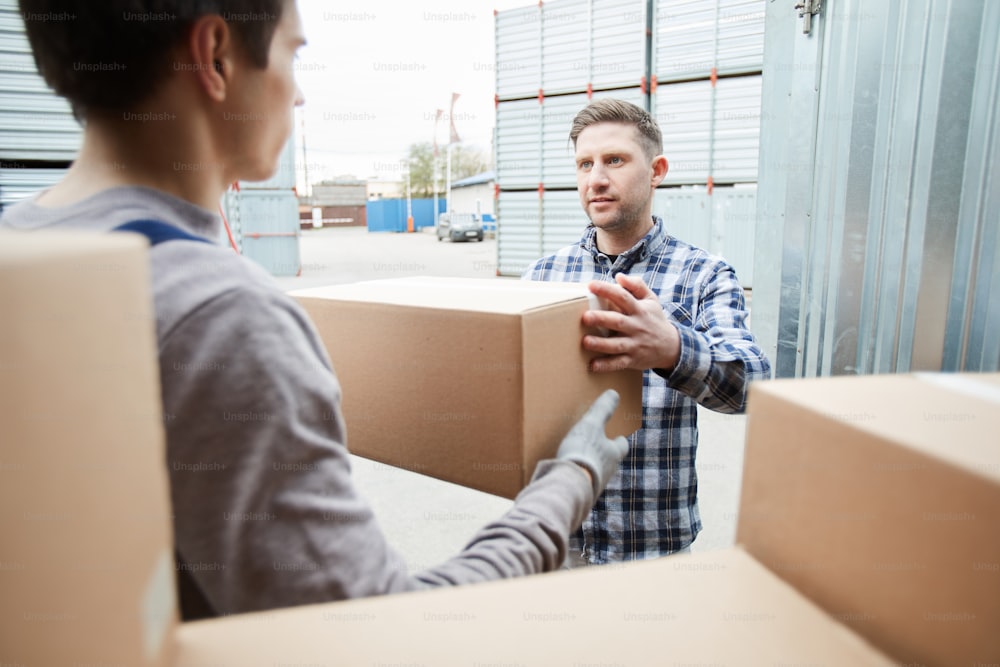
<point x="598" y="176"/>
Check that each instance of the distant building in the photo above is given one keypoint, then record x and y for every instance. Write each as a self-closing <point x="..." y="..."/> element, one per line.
<point x="341" y="191"/>
<point x="384" y="188"/>
<point x="474" y="194"/>
<point x="334" y="203"/>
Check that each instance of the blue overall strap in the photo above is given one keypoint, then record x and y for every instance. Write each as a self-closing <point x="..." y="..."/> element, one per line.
<point x="157" y="232"/>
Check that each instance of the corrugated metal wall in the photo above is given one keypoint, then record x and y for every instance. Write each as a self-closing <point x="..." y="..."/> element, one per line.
<point x="878" y="242"/>
<point x="19" y="183"/>
<point x="519" y="231"/>
<point x="389" y="215"/>
<point x="722" y="223"/>
<point x="561" y="46"/>
<point x="264" y="217"/>
<point x="283" y="178"/>
<point x="691" y="37"/>
<point x="548" y="69"/>
<point x="38" y="135"/>
<point x="265" y="224"/>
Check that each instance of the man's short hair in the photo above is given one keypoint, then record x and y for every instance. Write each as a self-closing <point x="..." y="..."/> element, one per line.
<point x="610" y="110"/>
<point x="110" y="55"/>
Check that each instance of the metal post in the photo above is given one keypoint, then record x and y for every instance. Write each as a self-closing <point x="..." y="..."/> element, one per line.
<point x="434" y="162"/>
<point x="409" y="203"/>
<point x="447" y="196"/>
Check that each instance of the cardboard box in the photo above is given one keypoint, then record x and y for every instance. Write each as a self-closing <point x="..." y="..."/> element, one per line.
<point x="471" y="381"/>
<point x="719" y="608"/>
<point x="879" y="498"/>
<point x="86" y="548"/>
<point x="86" y="574"/>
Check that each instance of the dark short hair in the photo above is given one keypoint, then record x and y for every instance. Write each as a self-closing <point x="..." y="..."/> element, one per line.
<point x="610" y="110"/>
<point x="111" y="54"/>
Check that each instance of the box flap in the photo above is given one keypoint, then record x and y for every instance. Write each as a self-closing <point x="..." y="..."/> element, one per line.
<point x="486" y="295"/>
<point x="713" y="608"/>
<point x="941" y="415"/>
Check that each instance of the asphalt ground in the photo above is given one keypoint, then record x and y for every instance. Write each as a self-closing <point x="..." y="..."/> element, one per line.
<point x="429" y="520"/>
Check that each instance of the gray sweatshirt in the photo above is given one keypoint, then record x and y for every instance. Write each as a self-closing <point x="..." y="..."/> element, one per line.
<point x="265" y="511"/>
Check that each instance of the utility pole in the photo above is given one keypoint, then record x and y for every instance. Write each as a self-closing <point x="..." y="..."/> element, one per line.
<point x="409" y="203"/>
<point x="305" y="162"/>
<point x="447" y="196"/>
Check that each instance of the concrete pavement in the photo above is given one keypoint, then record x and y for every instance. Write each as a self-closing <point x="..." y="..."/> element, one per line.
<point x="429" y="520"/>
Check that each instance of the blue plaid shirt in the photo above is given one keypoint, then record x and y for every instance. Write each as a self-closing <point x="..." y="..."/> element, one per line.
<point x="650" y="508"/>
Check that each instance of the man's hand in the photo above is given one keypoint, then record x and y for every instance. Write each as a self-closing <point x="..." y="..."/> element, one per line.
<point x="642" y="336"/>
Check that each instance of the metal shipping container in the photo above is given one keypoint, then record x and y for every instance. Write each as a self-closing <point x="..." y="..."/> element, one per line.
<point x="265" y="224"/>
<point x="684" y="113"/>
<point x="711" y="125"/>
<point x="723" y="223"/>
<point x="569" y="45"/>
<point x="564" y="219"/>
<point x="35" y="124"/>
<point x="877" y="243"/>
<point x="389" y="215"/>
<point x="710" y="130"/>
<point x="691" y="38"/>
<point x="533" y="146"/>
<point x="518" y="142"/>
<point x="519" y="231"/>
<point x="518" y="35"/>
<point x="20" y="183"/>
<point x="557" y="158"/>
<point x="284" y="176"/>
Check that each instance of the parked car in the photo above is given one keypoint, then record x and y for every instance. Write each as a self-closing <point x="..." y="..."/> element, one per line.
<point x="460" y="226"/>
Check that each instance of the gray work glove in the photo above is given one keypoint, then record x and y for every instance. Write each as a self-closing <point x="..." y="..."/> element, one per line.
<point x="587" y="445"/>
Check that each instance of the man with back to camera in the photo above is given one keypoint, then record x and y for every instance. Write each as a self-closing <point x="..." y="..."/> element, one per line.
<point x="676" y="313"/>
<point x="265" y="511"/>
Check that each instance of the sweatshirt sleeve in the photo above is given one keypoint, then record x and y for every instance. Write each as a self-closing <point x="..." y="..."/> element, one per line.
<point x="266" y="513"/>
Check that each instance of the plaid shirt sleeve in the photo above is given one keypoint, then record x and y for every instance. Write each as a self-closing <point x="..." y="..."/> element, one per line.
<point x="719" y="355"/>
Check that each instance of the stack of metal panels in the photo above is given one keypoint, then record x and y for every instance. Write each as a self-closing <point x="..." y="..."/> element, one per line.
<point x="708" y="56"/>
<point x="38" y="135"/>
<point x="694" y="64"/>
<point x="552" y="59"/>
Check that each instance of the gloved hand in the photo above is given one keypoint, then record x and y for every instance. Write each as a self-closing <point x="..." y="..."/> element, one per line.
<point x="587" y="445"/>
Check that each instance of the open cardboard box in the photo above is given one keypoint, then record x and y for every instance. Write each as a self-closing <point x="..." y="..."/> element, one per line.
<point x="879" y="498"/>
<point x="86" y="547"/>
<point x="86" y="569"/>
<point x="472" y="381"/>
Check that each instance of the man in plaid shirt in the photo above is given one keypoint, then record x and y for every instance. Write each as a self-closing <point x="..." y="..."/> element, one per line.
<point x="675" y="312"/>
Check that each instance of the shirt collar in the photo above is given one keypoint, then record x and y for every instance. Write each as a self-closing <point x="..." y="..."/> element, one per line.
<point x="640" y="252"/>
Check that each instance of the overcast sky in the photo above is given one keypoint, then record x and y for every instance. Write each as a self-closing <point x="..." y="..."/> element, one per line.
<point x="374" y="73"/>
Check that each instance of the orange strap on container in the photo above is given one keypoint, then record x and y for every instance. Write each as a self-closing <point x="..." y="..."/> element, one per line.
<point x="225" y="222"/>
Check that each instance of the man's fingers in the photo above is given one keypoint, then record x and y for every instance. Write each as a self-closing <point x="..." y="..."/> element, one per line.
<point x="605" y="319"/>
<point x="608" y="346"/>
<point x="617" y="296"/>
<point x="610" y="364"/>
<point x="635" y="286"/>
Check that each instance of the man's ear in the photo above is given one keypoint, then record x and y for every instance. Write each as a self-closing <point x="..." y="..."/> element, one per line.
<point x="210" y="48"/>
<point x="660" y="167"/>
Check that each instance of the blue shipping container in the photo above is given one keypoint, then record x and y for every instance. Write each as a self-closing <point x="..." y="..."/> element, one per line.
<point x="389" y="215"/>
